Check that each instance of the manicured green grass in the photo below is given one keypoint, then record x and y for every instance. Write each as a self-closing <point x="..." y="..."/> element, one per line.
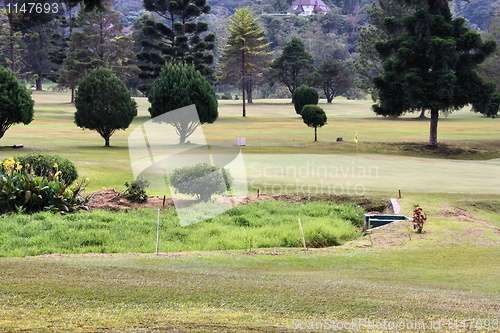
<point x="271" y="128"/>
<point x="258" y="225"/>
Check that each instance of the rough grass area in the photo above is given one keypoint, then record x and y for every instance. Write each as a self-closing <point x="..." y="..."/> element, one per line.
<point x="225" y="292"/>
<point x="257" y="225"/>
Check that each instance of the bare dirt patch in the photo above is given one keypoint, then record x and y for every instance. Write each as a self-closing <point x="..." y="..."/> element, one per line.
<point x="112" y="200"/>
<point x="456" y="213"/>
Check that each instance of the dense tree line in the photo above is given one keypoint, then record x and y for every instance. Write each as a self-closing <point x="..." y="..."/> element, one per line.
<point x="134" y="39"/>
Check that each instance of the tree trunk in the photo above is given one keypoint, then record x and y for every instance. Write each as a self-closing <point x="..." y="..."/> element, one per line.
<point x="73" y="95"/>
<point x="315" y="134"/>
<point x="243" y="81"/>
<point x="11" y="43"/>
<point x="422" y="115"/>
<point x="107" y="141"/>
<point x="249" y="91"/>
<point x="39" y="83"/>
<point x="328" y="94"/>
<point x="434" y="126"/>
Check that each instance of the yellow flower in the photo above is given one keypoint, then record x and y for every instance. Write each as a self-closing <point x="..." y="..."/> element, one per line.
<point x="87" y="179"/>
<point x="103" y="188"/>
<point x="19" y="166"/>
<point x="57" y="174"/>
<point x="55" y="165"/>
<point x="27" y="165"/>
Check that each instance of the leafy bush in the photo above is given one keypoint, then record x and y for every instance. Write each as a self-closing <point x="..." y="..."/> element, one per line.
<point x="43" y="165"/>
<point x="226" y="96"/>
<point x="304" y="96"/>
<point x="419" y="218"/>
<point x="202" y="180"/>
<point x="25" y="192"/>
<point x="136" y="190"/>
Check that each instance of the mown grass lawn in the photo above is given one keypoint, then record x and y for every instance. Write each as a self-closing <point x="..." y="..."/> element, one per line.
<point x="272" y="127"/>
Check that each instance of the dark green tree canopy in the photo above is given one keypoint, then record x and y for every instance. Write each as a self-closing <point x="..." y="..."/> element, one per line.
<point x="304" y="95"/>
<point x="178" y="40"/>
<point x="313" y="116"/>
<point x="181" y="85"/>
<point x="103" y="103"/>
<point x="295" y="66"/>
<point x="334" y="78"/>
<point x="16" y="105"/>
<point x="432" y="67"/>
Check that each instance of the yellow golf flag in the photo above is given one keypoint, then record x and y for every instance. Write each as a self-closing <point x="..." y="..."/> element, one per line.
<point x="356" y="137"/>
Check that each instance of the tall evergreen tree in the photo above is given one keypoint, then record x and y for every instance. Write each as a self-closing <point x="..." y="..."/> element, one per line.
<point x="38" y="51"/>
<point x="295" y="66"/>
<point x="246" y="54"/>
<point x="178" y="40"/>
<point x="99" y="43"/>
<point x="432" y="66"/>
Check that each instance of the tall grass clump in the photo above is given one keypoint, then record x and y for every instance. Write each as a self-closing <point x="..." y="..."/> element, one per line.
<point x="267" y="224"/>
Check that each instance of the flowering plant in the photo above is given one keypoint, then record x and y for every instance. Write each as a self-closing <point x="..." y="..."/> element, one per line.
<point x="23" y="191"/>
<point x="419" y="218"/>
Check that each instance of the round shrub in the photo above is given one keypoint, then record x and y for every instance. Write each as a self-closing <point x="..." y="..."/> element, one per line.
<point x="304" y="96"/>
<point x="202" y="180"/>
<point x="313" y="116"/>
<point x="43" y="165"/>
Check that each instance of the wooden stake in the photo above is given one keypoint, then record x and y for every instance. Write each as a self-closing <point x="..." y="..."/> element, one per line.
<point x="302" y="233"/>
<point x="157" y="231"/>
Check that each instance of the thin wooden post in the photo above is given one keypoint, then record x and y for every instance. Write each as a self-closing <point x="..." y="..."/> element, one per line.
<point x="157" y="231"/>
<point x="302" y="233"/>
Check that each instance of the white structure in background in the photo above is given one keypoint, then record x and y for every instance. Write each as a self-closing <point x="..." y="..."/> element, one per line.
<point x="307" y="7"/>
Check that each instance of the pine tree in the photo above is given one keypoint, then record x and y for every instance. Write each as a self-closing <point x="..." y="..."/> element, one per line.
<point x="103" y="103"/>
<point x="99" y="43"/>
<point x="180" y="85"/>
<point x="178" y="40"/>
<point x="432" y="66"/>
<point x="246" y="55"/>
